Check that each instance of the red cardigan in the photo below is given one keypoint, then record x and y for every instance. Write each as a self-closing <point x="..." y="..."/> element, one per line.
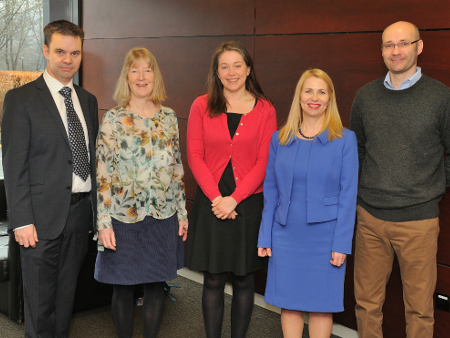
<point x="209" y="148"/>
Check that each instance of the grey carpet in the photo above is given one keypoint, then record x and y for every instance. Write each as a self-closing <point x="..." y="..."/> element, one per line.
<point x="182" y="319"/>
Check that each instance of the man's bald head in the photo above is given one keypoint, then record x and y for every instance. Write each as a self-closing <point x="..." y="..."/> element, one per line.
<point x="401" y="26"/>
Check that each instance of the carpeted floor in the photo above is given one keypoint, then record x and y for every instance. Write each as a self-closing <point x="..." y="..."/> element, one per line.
<point x="182" y="319"/>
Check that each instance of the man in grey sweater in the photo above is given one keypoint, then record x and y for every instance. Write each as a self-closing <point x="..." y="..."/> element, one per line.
<point x="402" y="123"/>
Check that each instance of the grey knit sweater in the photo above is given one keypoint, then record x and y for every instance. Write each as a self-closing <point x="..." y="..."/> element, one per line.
<point x="402" y="136"/>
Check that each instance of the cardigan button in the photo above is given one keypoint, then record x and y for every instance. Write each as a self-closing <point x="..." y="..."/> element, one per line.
<point x="237" y="133"/>
<point x="242" y="124"/>
<point x="237" y="178"/>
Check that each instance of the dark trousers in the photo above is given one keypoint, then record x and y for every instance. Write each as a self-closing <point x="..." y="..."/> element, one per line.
<point x="50" y="273"/>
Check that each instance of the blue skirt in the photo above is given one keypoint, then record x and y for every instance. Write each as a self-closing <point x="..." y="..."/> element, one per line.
<point x="146" y="252"/>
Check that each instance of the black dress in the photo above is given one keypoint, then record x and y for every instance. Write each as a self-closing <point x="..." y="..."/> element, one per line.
<point x="217" y="245"/>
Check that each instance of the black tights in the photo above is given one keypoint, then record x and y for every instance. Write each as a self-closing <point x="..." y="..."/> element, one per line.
<point x="122" y="306"/>
<point x="213" y="303"/>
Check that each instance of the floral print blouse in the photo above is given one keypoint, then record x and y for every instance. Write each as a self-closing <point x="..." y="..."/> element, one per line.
<point x="139" y="169"/>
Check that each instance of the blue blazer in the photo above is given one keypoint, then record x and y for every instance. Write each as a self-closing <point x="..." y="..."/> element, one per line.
<point x="331" y="186"/>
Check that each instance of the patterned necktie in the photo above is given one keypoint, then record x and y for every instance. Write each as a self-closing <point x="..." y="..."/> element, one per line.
<point x="76" y="137"/>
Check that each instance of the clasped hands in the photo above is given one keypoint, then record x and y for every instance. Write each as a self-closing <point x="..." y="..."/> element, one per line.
<point x="223" y="207"/>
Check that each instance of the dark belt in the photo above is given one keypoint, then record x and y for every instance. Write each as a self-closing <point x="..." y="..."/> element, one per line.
<point x="78" y="196"/>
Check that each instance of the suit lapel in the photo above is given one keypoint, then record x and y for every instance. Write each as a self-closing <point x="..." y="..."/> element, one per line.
<point x="288" y="160"/>
<point x="48" y="100"/>
<point x="90" y="128"/>
<point x="85" y="109"/>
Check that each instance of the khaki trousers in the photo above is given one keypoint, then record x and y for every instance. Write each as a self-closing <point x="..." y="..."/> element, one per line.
<point x="415" y="244"/>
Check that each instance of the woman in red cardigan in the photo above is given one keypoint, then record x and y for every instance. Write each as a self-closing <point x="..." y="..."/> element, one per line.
<point x="228" y="137"/>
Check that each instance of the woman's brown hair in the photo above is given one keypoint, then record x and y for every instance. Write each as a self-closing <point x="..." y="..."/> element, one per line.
<point x="217" y="103"/>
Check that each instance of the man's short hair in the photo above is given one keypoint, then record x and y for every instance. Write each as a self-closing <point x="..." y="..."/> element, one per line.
<point x="62" y="27"/>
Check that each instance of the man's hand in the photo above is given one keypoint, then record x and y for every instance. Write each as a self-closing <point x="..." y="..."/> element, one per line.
<point x="107" y="238"/>
<point x="27" y="236"/>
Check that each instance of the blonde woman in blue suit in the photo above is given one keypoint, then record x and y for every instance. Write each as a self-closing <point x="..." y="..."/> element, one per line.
<point x="309" y="209"/>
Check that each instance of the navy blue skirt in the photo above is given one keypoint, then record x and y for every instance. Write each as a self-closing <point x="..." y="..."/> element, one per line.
<point x="146" y="252"/>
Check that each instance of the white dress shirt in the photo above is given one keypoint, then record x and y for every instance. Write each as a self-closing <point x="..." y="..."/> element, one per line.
<point x="78" y="185"/>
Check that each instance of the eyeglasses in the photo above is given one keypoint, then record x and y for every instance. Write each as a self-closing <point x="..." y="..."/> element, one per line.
<point x="401" y="45"/>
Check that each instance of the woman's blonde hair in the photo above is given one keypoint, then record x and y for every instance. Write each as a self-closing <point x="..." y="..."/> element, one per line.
<point x="122" y="93"/>
<point x="332" y="119"/>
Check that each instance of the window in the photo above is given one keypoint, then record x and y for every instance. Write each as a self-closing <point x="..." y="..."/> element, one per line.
<point x="21" y="40"/>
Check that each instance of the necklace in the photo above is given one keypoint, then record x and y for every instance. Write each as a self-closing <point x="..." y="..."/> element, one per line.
<point x="305" y="137"/>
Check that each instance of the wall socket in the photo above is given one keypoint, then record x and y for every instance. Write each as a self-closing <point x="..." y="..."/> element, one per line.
<point x="442" y="302"/>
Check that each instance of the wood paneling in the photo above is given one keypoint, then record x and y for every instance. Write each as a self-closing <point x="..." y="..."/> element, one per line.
<point x="162" y="18"/>
<point x="351" y="61"/>
<point x="443" y="283"/>
<point x="290" y="17"/>
<point x="347" y="318"/>
<point x="285" y="37"/>
<point x="189" y="180"/>
<point x="443" y="256"/>
<point x="442" y="318"/>
<point x="184" y="64"/>
<point x="431" y="60"/>
<point x="280" y="61"/>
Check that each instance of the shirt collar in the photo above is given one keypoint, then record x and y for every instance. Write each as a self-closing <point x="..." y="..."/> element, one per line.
<point x="411" y="81"/>
<point x="53" y="84"/>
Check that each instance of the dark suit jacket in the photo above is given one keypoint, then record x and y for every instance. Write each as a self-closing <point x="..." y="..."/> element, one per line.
<point x="37" y="159"/>
<point x="332" y="182"/>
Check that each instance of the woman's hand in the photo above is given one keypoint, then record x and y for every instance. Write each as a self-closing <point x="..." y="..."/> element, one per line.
<point x="183" y="229"/>
<point x="223" y="207"/>
<point x="337" y="258"/>
<point x="107" y="238"/>
<point x="232" y="215"/>
<point x="263" y="252"/>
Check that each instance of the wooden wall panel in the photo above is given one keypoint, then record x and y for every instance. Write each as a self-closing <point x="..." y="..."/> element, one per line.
<point x="442" y="318"/>
<point x="162" y="18"/>
<point x="293" y="17"/>
<point x="280" y="61"/>
<point x="350" y="60"/>
<point x="443" y="256"/>
<point x="184" y="64"/>
<point x="347" y="318"/>
<point x="285" y="37"/>
<point x="189" y="180"/>
<point x="431" y="60"/>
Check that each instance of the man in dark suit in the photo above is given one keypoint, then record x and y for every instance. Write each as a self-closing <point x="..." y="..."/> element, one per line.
<point x="49" y="129"/>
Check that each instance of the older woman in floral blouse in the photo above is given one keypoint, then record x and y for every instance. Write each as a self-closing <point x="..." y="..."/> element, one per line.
<point x="142" y="219"/>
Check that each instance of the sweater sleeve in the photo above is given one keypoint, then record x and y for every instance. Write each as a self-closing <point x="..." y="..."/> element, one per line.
<point x="196" y="151"/>
<point x="342" y="240"/>
<point x="356" y="125"/>
<point x="446" y="141"/>
<point x="255" y="177"/>
<point x="270" y="197"/>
